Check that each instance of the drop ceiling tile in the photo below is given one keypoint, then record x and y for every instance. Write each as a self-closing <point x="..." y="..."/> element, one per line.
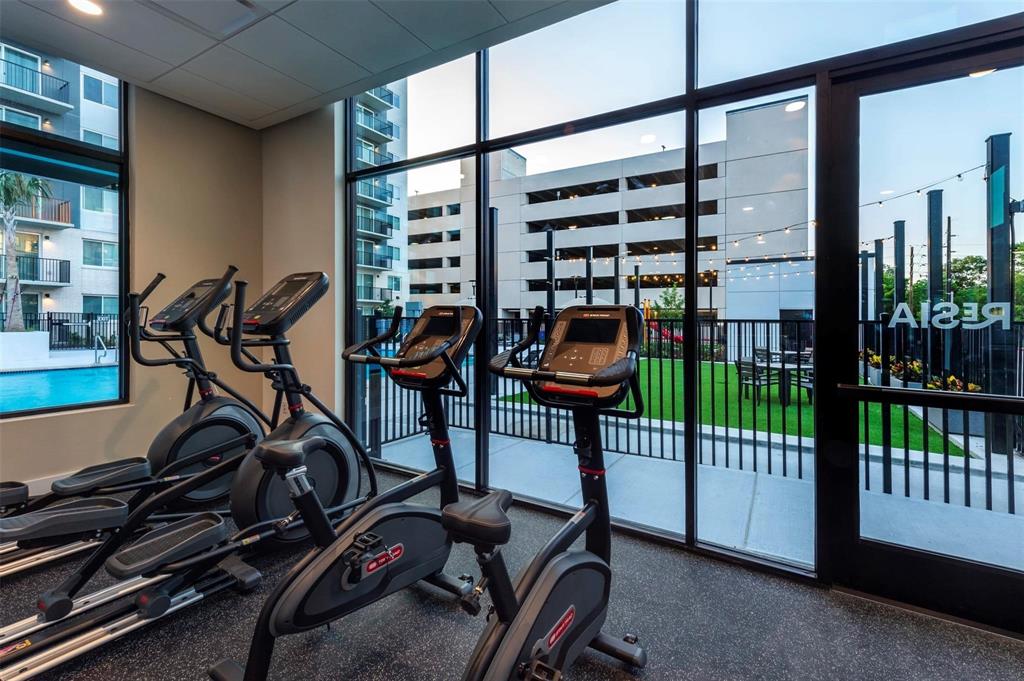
<point x="441" y="23"/>
<point x="219" y="17"/>
<point x="210" y="96"/>
<point x="26" y="24"/>
<point x="136" y="26"/>
<point x="357" y="30"/>
<point x="273" y="5"/>
<point x="277" y="43"/>
<point x="234" y="70"/>
<point x="514" y="10"/>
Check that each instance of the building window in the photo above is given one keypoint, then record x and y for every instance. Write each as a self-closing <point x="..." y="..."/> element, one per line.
<point x="92" y="304"/>
<point x="454" y="235"/>
<point x="29" y="120"/>
<point x="420" y="289"/>
<point x="455" y="287"/>
<point x="395" y="283"/>
<point x="99" y="253"/>
<point x="99" y="91"/>
<point x="424" y="213"/>
<point x="425" y="263"/>
<point x="454" y="208"/>
<point x="573" y="191"/>
<point x="100" y="200"/>
<point x="573" y="222"/>
<point x="428" y="238"/>
<point x="99" y="139"/>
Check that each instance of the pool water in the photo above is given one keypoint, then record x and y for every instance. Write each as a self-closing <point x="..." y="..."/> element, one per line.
<point x="23" y="390"/>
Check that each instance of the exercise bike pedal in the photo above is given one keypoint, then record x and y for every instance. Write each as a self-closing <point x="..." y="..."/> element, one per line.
<point x="470" y="601"/>
<point x="539" y="671"/>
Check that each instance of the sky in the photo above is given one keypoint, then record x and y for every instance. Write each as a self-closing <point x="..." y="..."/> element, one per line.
<point x="632" y="51"/>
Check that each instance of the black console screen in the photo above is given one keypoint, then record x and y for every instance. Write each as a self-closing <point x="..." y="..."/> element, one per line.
<point x="592" y="331"/>
<point x="441" y="326"/>
<point x="280" y="296"/>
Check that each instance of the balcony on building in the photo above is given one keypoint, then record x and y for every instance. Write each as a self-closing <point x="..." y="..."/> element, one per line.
<point x="382" y="259"/>
<point x="32" y="88"/>
<point x="379" y="99"/>
<point x="373" y="294"/>
<point x="35" y="271"/>
<point x="375" y="128"/>
<point x="367" y="157"/>
<point x="376" y="224"/>
<point x="375" y="194"/>
<point x="42" y="211"/>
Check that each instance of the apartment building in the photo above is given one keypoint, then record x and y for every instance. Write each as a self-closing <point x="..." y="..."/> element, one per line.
<point x="67" y="242"/>
<point x="754" y="238"/>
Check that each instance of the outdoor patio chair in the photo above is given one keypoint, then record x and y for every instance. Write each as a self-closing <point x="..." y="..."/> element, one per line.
<point x="804" y="380"/>
<point x="749" y="374"/>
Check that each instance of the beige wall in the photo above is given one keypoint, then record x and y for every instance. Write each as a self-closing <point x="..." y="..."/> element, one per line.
<point x="302" y="232"/>
<point x="195" y="207"/>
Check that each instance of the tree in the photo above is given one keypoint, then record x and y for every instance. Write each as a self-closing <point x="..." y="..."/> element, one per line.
<point x="15" y="190"/>
<point x="670" y="302"/>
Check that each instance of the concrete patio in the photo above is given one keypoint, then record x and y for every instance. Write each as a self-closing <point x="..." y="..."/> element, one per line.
<point x="769" y="515"/>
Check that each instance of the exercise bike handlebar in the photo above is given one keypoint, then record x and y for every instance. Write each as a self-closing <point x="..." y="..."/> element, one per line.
<point x="219" y="290"/>
<point x="354" y="353"/>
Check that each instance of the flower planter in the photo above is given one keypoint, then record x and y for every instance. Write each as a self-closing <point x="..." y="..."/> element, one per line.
<point x="898" y="383"/>
<point x="956" y="421"/>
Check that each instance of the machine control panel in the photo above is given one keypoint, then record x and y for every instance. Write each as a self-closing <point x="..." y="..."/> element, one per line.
<point x="182" y="313"/>
<point x="436" y="325"/>
<point x="585" y="340"/>
<point x="279" y="308"/>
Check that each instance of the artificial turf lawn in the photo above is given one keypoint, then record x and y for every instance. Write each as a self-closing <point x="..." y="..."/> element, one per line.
<point x="657" y="377"/>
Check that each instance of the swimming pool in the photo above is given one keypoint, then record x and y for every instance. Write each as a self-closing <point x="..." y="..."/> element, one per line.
<point x="23" y="390"/>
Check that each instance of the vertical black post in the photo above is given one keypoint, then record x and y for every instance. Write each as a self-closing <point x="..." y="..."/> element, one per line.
<point x="352" y="389"/>
<point x="551" y="271"/>
<point x="616" y="275"/>
<point x="899" y="245"/>
<point x="690" y="356"/>
<point x="636" y="286"/>
<point x="879" y="282"/>
<point x="865" y="338"/>
<point x="951" y="342"/>
<point x="590" y="275"/>
<point x="934" y="338"/>
<point x="486" y="341"/>
<point x="1002" y="377"/>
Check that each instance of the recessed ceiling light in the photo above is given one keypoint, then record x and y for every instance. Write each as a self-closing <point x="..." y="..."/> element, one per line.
<point x="86" y="6"/>
<point x="886" y="192"/>
<point x="747" y="209"/>
<point x="980" y="74"/>
<point x="648" y="138"/>
<point x="795" y="106"/>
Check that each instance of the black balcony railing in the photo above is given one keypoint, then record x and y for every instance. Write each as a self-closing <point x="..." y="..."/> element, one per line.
<point x="374" y="293"/>
<point x="372" y="157"/>
<point x="39" y="270"/>
<point x="372" y="190"/>
<point x="36" y="82"/>
<point x="756" y="413"/>
<point x="385" y="95"/>
<point x="73" y="330"/>
<point x="381" y="125"/>
<point x="44" y="208"/>
<point x="371" y="259"/>
<point x="379" y="225"/>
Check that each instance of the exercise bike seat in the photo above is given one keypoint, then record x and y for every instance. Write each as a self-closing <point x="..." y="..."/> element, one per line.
<point x="102" y="475"/>
<point x="286" y="454"/>
<point x="68" y="517"/>
<point x="481" y="522"/>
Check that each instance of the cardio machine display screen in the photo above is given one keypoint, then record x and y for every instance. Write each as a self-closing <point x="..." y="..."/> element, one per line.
<point x="440" y="326"/>
<point x="280" y="296"/>
<point x="603" y="331"/>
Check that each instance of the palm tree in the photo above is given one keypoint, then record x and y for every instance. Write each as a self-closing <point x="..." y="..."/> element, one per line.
<point x="15" y="189"/>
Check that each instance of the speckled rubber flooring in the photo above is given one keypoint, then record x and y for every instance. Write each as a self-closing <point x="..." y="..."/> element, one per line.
<point x="699" y="619"/>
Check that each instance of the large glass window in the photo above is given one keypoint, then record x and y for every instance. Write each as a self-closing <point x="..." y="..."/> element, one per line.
<point x="742" y="38"/>
<point x="64" y="303"/>
<point x="624" y="53"/>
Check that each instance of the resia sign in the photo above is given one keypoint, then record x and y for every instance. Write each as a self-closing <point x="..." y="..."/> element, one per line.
<point x="948" y="315"/>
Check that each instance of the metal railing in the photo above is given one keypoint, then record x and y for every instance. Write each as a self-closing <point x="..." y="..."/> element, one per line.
<point x="34" y="81"/>
<point x="73" y="330"/>
<point x="372" y="157"/>
<point x="381" y="125"/>
<point x="385" y="95"/>
<point x="44" y="208"/>
<point x="381" y="226"/>
<point x="374" y="293"/>
<point x="371" y="259"/>
<point x="39" y="270"/>
<point x="380" y="192"/>
<point x="756" y="414"/>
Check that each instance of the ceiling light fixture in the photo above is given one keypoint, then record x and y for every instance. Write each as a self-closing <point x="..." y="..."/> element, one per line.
<point x="981" y="74"/>
<point x="747" y="209"/>
<point x="795" y="106"/>
<point x="86" y="7"/>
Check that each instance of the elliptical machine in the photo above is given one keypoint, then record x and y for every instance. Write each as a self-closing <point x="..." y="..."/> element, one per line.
<point x="388" y="543"/>
<point x="558" y="604"/>
<point x="77" y="511"/>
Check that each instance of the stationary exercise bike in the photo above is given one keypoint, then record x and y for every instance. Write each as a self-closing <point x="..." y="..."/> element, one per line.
<point x="388" y="543"/>
<point x="558" y="604"/>
<point x="78" y="510"/>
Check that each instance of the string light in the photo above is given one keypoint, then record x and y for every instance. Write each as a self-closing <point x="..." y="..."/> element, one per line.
<point x="957" y="176"/>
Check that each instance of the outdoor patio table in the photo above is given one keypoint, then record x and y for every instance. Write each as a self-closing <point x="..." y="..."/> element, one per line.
<point x="785" y="370"/>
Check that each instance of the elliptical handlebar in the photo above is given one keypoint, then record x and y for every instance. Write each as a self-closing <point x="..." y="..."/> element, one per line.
<point x="353" y="353"/>
<point x="137" y="333"/>
<point x="219" y="290"/>
<point x="235" y="332"/>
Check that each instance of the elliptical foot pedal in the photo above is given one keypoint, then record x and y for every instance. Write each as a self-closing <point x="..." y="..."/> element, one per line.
<point x="69" y="517"/>
<point x="175" y="541"/>
<point x="103" y="475"/>
<point x="538" y="671"/>
<point x="13" y="494"/>
<point x="246" y="576"/>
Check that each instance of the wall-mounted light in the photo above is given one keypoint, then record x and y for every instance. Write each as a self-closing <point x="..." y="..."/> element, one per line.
<point x="46" y="238"/>
<point x="46" y="295"/>
<point x="46" y="63"/>
<point x="46" y="121"/>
